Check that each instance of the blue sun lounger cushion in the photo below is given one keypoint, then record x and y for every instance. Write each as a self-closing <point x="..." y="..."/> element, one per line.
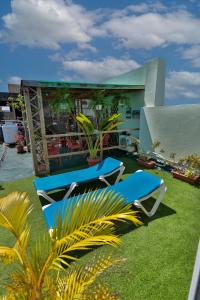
<point x="135" y="189"/>
<point x="70" y="180"/>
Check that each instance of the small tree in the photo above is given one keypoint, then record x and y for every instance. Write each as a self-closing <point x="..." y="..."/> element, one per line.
<point x="48" y="269"/>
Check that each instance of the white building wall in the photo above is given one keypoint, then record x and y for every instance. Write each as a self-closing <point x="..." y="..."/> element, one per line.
<point x="176" y="127"/>
<point x="154" y="82"/>
<point x="152" y="76"/>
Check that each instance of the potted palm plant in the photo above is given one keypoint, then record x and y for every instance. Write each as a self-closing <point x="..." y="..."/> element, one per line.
<point x="93" y="136"/>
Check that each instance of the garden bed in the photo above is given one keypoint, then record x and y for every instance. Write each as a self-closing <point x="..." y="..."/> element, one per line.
<point x="192" y="180"/>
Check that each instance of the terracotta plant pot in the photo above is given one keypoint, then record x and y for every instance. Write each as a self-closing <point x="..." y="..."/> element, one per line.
<point x="20" y="148"/>
<point x="93" y="161"/>
<point x="192" y="180"/>
<point x="148" y="164"/>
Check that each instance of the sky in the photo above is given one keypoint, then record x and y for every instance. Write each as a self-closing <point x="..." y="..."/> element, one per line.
<point x="88" y="40"/>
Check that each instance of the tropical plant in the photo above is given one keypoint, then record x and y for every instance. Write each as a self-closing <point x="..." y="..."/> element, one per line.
<point x="108" y="124"/>
<point x="119" y="100"/>
<point x="189" y="173"/>
<point x="155" y="145"/>
<point x="104" y="104"/>
<point x="142" y="154"/>
<point x="189" y="165"/>
<point x="48" y="268"/>
<point x="18" y="103"/>
<point x="172" y="156"/>
<point x="61" y="102"/>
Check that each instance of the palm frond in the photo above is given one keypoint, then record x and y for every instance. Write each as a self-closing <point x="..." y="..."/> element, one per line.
<point x="88" y="222"/>
<point x="85" y="123"/>
<point x="40" y="255"/>
<point x="20" y="285"/>
<point x="8" y="254"/>
<point x="11" y="217"/>
<point x="107" y="122"/>
<point x="23" y="239"/>
<point x="64" y="250"/>
<point x="100" y="292"/>
<point x="75" y="284"/>
<point x="94" y="208"/>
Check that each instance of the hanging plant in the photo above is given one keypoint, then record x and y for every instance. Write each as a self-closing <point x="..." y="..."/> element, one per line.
<point x="104" y="104"/>
<point x="62" y="102"/>
<point x="17" y="103"/>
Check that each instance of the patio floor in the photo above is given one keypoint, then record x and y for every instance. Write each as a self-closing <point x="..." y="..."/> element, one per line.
<point x="15" y="166"/>
<point x="160" y="254"/>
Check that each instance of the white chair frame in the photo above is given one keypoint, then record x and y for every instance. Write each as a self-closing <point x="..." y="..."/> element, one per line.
<point x="138" y="203"/>
<point x="75" y="184"/>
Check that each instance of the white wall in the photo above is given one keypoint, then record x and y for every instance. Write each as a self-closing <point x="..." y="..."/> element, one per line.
<point x="154" y="82"/>
<point x="176" y="127"/>
<point x="151" y="75"/>
<point x="136" y="101"/>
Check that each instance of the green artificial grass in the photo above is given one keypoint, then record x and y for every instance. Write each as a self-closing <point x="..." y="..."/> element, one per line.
<point x="159" y="254"/>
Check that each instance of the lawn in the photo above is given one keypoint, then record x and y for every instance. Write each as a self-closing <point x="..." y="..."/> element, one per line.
<point x="160" y="254"/>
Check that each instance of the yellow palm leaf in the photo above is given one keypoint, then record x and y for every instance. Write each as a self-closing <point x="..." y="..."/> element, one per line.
<point x="93" y="209"/>
<point x="88" y="222"/>
<point x="8" y="254"/>
<point x="100" y="292"/>
<point x="64" y="251"/>
<point x="75" y="284"/>
<point x="14" y="210"/>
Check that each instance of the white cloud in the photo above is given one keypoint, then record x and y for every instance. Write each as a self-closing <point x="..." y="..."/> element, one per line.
<point x="154" y="29"/>
<point x="52" y="23"/>
<point x="99" y="70"/>
<point x="141" y="8"/>
<point x="14" y="79"/>
<point x="193" y="54"/>
<point x="48" y="24"/>
<point x="183" y="85"/>
<point x="146" y="7"/>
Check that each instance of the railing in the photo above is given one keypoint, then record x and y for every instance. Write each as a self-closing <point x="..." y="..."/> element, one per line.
<point x="54" y="143"/>
<point x="194" y="293"/>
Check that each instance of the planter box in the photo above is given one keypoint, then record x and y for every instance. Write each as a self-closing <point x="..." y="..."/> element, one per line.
<point x="93" y="161"/>
<point x="20" y="149"/>
<point x="192" y="180"/>
<point x="148" y="164"/>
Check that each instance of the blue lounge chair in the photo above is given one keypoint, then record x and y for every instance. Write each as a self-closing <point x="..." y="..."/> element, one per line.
<point x="135" y="189"/>
<point x="70" y="180"/>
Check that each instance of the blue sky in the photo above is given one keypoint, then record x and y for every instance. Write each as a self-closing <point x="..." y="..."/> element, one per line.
<point x="86" y="40"/>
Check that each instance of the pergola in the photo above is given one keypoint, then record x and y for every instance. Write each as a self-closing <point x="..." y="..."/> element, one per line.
<point x="33" y="92"/>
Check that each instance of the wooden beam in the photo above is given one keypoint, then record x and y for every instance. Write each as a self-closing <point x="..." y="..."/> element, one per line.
<point x="31" y="131"/>
<point x="79" y="152"/>
<point x="101" y="146"/>
<point x="43" y="130"/>
<point x="49" y="136"/>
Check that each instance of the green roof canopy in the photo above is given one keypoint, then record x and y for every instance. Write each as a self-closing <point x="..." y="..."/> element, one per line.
<point x="79" y="85"/>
